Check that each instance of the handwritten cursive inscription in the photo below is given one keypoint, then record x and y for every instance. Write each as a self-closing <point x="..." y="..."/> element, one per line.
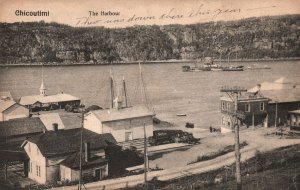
<point x="87" y="21"/>
<point x="199" y="12"/>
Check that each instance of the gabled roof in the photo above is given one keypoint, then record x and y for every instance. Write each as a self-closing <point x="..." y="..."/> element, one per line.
<point x="5" y="104"/>
<point x="63" y="142"/>
<point x="21" y="126"/>
<point x="123" y="113"/>
<point x="73" y="161"/>
<point x="49" y="118"/>
<point x="61" y="97"/>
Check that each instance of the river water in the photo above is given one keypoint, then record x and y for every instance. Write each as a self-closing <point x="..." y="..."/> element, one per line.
<point x="169" y="91"/>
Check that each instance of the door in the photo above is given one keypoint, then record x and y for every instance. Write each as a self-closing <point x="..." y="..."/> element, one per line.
<point x="98" y="174"/>
<point x="128" y="136"/>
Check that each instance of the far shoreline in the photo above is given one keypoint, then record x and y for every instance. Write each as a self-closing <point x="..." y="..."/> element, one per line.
<point x="147" y="62"/>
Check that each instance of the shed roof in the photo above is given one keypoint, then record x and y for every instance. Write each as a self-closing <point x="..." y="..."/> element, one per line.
<point x="21" y="126"/>
<point x="5" y="104"/>
<point x="49" y="118"/>
<point x="61" y="97"/>
<point x="107" y="115"/>
<point x="73" y="161"/>
<point x="63" y="142"/>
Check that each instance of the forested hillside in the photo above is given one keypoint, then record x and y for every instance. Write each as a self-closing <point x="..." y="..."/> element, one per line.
<point x="266" y="37"/>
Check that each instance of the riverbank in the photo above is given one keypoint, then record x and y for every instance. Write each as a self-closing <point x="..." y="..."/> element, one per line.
<point x="148" y="62"/>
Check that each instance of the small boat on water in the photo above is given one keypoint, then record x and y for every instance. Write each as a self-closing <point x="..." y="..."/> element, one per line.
<point x="208" y="65"/>
<point x="217" y="69"/>
<point x="233" y="68"/>
<point x="259" y="67"/>
<point x="187" y="68"/>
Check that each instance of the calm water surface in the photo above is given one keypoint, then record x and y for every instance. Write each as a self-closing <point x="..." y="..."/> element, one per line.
<point x="169" y="90"/>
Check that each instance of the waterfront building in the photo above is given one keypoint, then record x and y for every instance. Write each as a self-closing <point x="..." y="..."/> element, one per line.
<point x="124" y="123"/>
<point x="48" y="102"/>
<point x="9" y="109"/>
<point x="282" y="101"/>
<point x="53" y="155"/>
<point x="284" y="96"/>
<point x="253" y="105"/>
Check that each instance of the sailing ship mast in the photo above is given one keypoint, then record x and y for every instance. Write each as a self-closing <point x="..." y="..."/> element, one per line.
<point x="141" y="83"/>
<point x="125" y="94"/>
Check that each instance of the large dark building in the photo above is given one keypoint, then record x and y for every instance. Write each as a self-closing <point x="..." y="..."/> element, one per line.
<point x="253" y="105"/>
<point x="267" y="104"/>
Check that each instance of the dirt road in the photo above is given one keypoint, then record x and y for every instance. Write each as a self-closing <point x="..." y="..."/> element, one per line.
<point x="257" y="140"/>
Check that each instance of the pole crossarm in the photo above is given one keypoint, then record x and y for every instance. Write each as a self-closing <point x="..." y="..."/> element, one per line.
<point x="233" y="89"/>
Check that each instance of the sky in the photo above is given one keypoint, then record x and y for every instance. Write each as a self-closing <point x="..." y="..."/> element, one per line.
<point x="143" y="12"/>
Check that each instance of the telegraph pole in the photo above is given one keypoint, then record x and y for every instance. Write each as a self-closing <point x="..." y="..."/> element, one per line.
<point x="276" y="114"/>
<point x="233" y="93"/>
<point x="112" y="91"/>
<point x="145" y="155"/>
<point x="80" y="153"/>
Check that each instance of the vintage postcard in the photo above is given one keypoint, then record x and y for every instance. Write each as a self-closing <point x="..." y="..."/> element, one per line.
<point x="162" y="94"/>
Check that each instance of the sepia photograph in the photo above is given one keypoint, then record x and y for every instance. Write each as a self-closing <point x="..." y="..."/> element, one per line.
<point x="150" y="95"/>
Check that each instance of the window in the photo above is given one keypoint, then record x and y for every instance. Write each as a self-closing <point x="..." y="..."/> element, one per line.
<point x="223" y="105"/>
<point x="37" y="170"/>
<point x="262" y="106"/>
<point x="247" y="107"/>
<point x="223" y="120"/>
<point x="228" y="106"/>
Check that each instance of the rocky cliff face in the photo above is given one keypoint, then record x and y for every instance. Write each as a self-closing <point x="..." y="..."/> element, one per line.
<point x="271" y="37"/>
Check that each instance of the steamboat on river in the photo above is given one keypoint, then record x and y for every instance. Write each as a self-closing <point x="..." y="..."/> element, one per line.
<point x="209" y="65"/>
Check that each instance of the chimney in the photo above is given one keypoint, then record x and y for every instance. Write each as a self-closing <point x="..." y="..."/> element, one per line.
<point x="55" y="127"/>
<point x="87" y="153"/>
<point x="258" y="87"/>
<point x="117" y="103"/>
